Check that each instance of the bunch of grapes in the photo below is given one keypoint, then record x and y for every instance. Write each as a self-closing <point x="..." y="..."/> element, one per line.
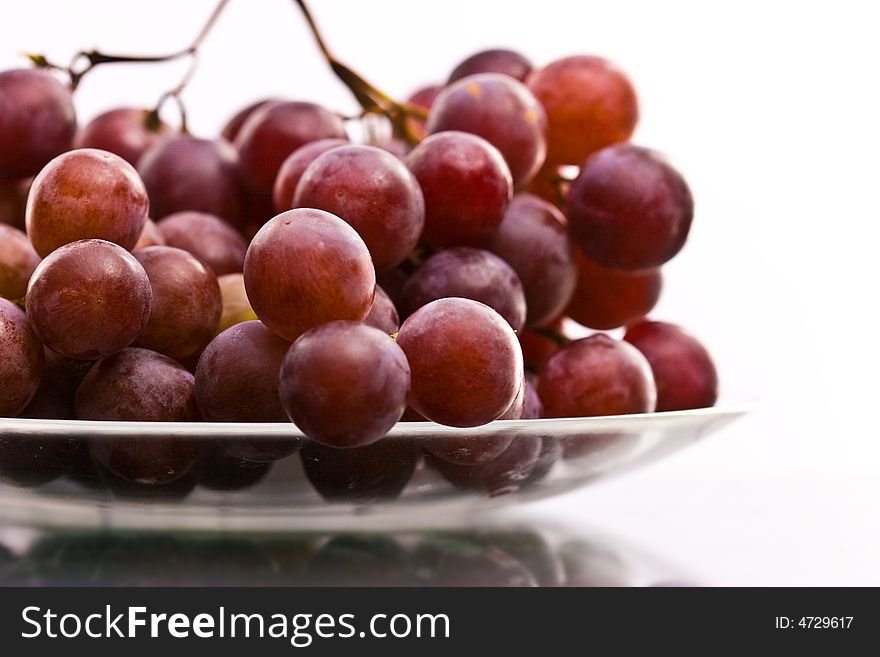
<point x="282" y="272"/>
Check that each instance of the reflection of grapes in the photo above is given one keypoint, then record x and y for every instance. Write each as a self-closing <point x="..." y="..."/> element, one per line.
<point x="501" y="475"/>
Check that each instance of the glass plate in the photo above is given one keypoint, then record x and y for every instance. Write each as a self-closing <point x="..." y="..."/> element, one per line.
<point x="49" y="477"/>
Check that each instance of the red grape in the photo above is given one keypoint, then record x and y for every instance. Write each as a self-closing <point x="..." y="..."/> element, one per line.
<point x="373" y="192"/>
<point x="499" y="60"/>
<point x="17" y="262"/>
<point x="236" y="307"/>
<point x="502" y="111"/>
<point x="466" y="185"/>
<point x="307" y="267"/>
<point x="293" y="168"/>
<point x="532" y="407"/>
<point x="37" y="121"/>
<point x="207" y="237"/>
<point x="344" y="384"/>
<point x="504" y="474"/>
<point x="597" y="376"/>
<point x="150" y="236"/>
<point x="383" y="315"/>
<point x="13" y="201"/>
<point x="589" y="104"/>
<point x="466" y="362"/>
<point x="683" y="369"/>
<point x="127" y="132"/>
<point x="629" y="209"/>
<point x="86" y="194"/>
<point x="539" y="346"/>
<point x="54" y="398"/>
<point x="89" y="299"/>
<point x="233" y="125"/>
<point x="21" y="360"/>
<point x="424" y="98"/>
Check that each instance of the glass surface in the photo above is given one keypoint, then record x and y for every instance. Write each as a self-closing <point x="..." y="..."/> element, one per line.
<point x="48" y="476"/>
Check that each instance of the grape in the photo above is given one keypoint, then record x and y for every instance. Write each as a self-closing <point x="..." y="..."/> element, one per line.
<point x="127" y="132"/>
<point x="344" y="384"/>
<point x="383" y="315"/>
<point x="217" y="469"/>
<point x="54" y="398"/>
<point x="589" y="105"/>
<point x="551" y="452"/>
<point x="629" y="209"/>
<point x="373" y="192"/>
<point x="360" y="560"/>
<point x="86" y="194"/>
<point x="393" y="280"/>
<point x="237" y="375"/>
<point x="683" y="369"/>
<point x="293" y="168"/>
<point x="597" y="376"/>
<point x="275" y="131"/>
<point x="608" y="298"/>
<point x="551" y="185"/>
<point x="207" y="237"/>
<point x="236" y="307"/>
<point x="502" y="111"/>
<point x="21" y="360"/>
<point x="533" y="240"/>
<point x="37" y="121"/>
<point x="89" y="299"/>
<point x="150" y="236"/>
<point x="307" y="267"/>
<point x="378" y="471"/>
<point x="185" y="173"/>
<point x="233" y="126"/>
<point x="466" y="185"/>
<point x="532" y="407"/>
<point x="424" y="98"/>
<point x="507" y="62"/>
<point x="538" y="347"/>
<point x="17" y="262"/>
<point x="186" y="303"/>
<point x="13" y="201"/>
<point x="465" y="360"/>
<point x="470" y="274"/>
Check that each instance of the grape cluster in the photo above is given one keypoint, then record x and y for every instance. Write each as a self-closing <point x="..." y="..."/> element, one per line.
<point x="281" y="272"/>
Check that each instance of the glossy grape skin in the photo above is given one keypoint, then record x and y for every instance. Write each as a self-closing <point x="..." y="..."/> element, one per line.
<point x="21" y="360"/>
<point x="496" y="60"/>
<point x="89" y="299"/>
<point x="501" y="110"/>
<point x="150" y="236"/>
<point x="13" y="201"/>
<point x="589" y="105"/>
<point x="373" y="192"/>
<point x="471" y="274"/>
<point x="275" y="131"/>
<point x="186" y="306"/>
<point x="383" y="315"/>
<point x="467" y="187"/>
<point x="344" y="384"/>
<point x="605" y="298"/>
<point x="629" y="209"/>
<point x="294" y="166"/>
<point x="504" y="474"/>
<point x="37" y="121"/>
<point x="360" y="474"/>
<point x="307" y="267"/>
<point x="237" y="375"/>
<point x="84" y="194"/>
<point x="465" y="360"/>
<point x="236" y="307"/>
<point x="17" y="262"/>
<point x="233" y="125"/>
<point x="683" y="369"/>
<point x="186" y="173"/>
<point x="532" y="408"/>
<point x="126" y="132"/>
<point x="358" y="560"/>
<point x="533" y="239"/>
<point x="207" y="237"/>
<point x="597" y="376"/>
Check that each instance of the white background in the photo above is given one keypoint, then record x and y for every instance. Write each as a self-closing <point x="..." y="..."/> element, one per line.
<point x="770" y="109"/>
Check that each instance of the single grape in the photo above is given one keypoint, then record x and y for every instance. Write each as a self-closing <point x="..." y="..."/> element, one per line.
<point x="233" y="125"/>
<point x="275" y="131"/>
<point x="21" y="360"/>
<point x="89" y="299"/>
<point x="498" y="60"/>
<point x="502" y="111"/>
<point x="13" y="201"/>
<point x="608" y="298"/>
<point x="533" y="239"/>
<point x="344" y="384"/>
<point x="207" y="237"/>
<point x="629" y="209"/>
<point x="126" y="131"/>
<point x="373" y="192"/>
<point x="539" y="345"/>
<point x="423" y="98"/>
<point x="237" y="375"/>
<point x="307" y="267"/>
<point x="217" y="469"/>
<point x="589" y="104"/>
<point x="597" y="376"/>
<point x="185" y="173"/>
<point x="532" y="407"/>
<point x="37" y="121"/>
<point x="293" y="168"/>
<point x="471" y="274"/>
<point x="236" y="307"/>
<point x="186" y="305"/>
<point x="17" y="262"/>
<point x="150" y="236"/>
<point x="86" y="194"/>
<point x="465" y="360"/>
<point x="383" y="315"/>
<point x="683" y="370"/>
<point x="504" y="474"/>
<point x="54" y="398"/>
<point x="467" y="187"/>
